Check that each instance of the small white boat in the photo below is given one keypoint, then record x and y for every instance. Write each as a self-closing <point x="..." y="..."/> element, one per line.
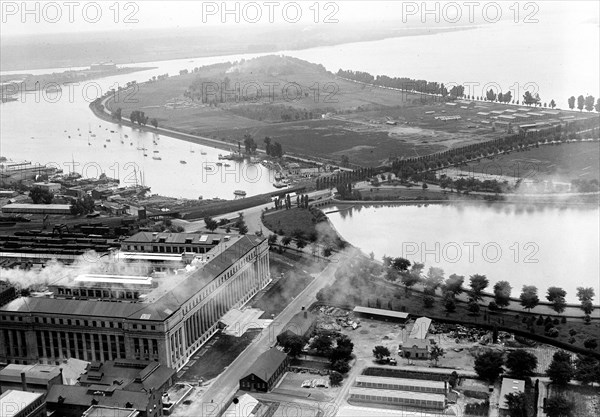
<point x="240" y="193"/>
<point x="182" y="162"/>
<point x="158" y="158"/>
<point x="202" y="153"/>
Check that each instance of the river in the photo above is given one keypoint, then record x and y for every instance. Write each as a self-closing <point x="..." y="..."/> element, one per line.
<point x="38" y="126"/>
<point x="541" y="245"/>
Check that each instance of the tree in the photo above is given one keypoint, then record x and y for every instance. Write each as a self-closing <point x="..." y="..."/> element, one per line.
<point x="580" y="103"/>
<point x="597" y="105"/>
<point x="502" y="290"/>
<point x="335" y="379"/>
<point x="249" y="144"/>
<point x="589" y="103"/>
<point x="401" y="264"/>
<point x="340" y="366"/>
<point x="409" y="279"/>
<point x="561" y="370"/>
<point x="554" y="292"/>
<point x="40" y="196"/>
<point x="428" y="301"/>
<point x="322" y="344"/>
<point x="529" y="297"/>
<point x="478" y="283"/>
<point x="572" y="102"/>
<point x="552" y="104"/>
<point x="286" y="241"/>
<point x="590" y="344"/>
<point x="587" y="369"/>
<point x="558" y="406"/>
<point x="293" y="345"/>
<point x="343" y="349"/>
<point x="272" y="239"/>
<point x="436" y="353"/>
<point x="454" y="284"/>
<point x="473" y="307"/>
<point x="300" y="243"/>
<point x="585" y="296"/>
<point x="435" y="277"/>
<point x="267" y="141"/>
<point x="154" y="123"/>
<point x="488" y="365"/>
<point x="345" y="161"/>
<point x="516" y="404"/>
<point x="211" y="224"/>
<point x="82" y="205"/>
<point x="521" y="363"/>
<point x="450" y="305"/>
<point x="381" y="352"/>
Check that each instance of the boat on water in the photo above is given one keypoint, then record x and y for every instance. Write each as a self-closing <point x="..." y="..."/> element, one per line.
<point x="219" y="164"/>
<point x="182" y="162"/>
<point x="108" y="140"/>
<point x="227" y="165"/>
<point x="126" y="136"/>
<point x="202" y="153"/>
<point x="158" y="158"/>
<point x="240" y="193"/>
<point x="93" y="135"/>
<point x="279" y="184"/>
<point x="207" y="168"/>
<point x="155" y="151"/>
<point x="105" y="145"/>
<point x="145" y="154"/>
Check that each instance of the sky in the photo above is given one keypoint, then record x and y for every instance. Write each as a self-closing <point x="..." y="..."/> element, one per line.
<point x="47" y="17"/>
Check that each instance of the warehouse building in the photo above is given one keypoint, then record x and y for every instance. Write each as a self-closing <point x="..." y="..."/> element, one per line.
<point x="34" y="378"/>
<point x="380" y="314"/>
<point x="398" y="398"/>
<point x="24" y="208"/>
<point x="167" y="325"/>
<point x="172" y="242"/>
<point x="401" y="384"/>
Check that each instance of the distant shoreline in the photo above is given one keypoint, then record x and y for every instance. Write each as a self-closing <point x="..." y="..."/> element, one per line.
<point x="149" y="56"/>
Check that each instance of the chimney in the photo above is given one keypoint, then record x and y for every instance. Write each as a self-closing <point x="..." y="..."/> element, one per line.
<point x="23" y="381"/>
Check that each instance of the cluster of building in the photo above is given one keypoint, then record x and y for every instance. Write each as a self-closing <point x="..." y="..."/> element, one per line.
<point x="135" y="331"/>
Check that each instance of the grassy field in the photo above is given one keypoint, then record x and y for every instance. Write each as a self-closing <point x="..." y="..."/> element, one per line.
<point x="312" y="112"/>
<point x="563" y="163"/>
<point x="217" y="354"/>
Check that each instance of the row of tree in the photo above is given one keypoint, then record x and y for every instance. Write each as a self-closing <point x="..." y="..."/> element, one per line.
<point x="398" y="268"/>
<point x="584" y="103"/>
<point x="403" y="83"/>
<point x="273" y="149"/>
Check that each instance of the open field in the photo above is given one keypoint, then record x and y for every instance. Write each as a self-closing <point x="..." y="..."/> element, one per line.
<point x="559" y="163"/>
<point x="315" y="113"/>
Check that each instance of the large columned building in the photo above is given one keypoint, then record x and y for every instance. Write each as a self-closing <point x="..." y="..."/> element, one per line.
<point x="167" y="323"/>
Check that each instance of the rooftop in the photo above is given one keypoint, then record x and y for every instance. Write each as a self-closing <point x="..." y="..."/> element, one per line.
<point x="127" y="375"/>
<point x="380" y="312"/>
<point x="266" y="364"/>
<point x="83" y="396"/>
<point x="160" y="304"/>
<point x="420" y="328"/>
<point x="179" y="238"/>
<point x="510" y="385"/>
<point x="35" y="374"/>
<point x="401" y="381"/>
<point x="421" y="396"/>
<point x="103" y="411"/>
<point x="245" y="407"/>
<point x="21" y="399"/>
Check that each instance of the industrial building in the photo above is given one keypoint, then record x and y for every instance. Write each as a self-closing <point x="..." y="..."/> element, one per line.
<point x="172" y="242"/>
<point x="302" y="324"/>
<point x="266" y="371"/>
<point x="24" y="208"/>
<point x="167" y="325"/>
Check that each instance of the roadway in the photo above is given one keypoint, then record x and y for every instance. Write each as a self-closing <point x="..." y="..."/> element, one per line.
<point x="222" y="389"/>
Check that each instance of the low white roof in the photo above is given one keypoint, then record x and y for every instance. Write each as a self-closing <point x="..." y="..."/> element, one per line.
<point x="12" y="402"/>
<point x="244" y="408"/>
<point x="380" y="312"/>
